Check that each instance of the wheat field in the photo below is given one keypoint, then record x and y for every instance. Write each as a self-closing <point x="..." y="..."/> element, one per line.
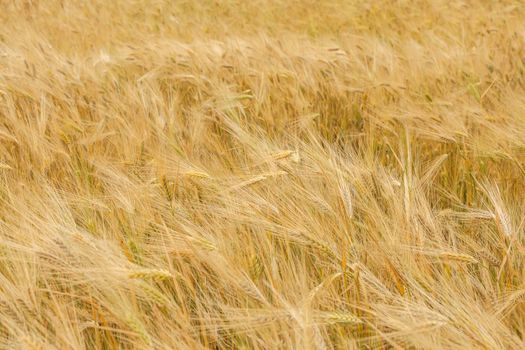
<point x="277" y="174"/>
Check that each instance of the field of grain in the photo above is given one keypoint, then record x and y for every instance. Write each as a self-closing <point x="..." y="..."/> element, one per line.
<point x="277" y="174"/>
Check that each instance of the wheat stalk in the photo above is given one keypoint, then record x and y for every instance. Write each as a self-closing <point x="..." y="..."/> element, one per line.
<point x="136" y="326"/>
<point x="335" y="317"/>
<point x="154" y="294"/>
<point x="451" y="256"/>
<point x="155" y="274"/>
<point x="197" y="174"/>
<point x="256" y="266"/>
